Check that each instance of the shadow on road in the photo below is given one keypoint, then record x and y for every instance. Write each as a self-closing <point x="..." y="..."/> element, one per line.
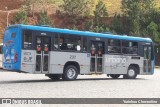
<point x="80" y="79"/>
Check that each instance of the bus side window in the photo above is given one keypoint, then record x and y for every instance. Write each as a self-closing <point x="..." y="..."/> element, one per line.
<point x="56" y="45"/>
<point x="70" y="43"/>
<point x="114" y="46"/>
<point x="27" y="39"/>
<point x="84" y="44"/>
<point x="129" y="47"/>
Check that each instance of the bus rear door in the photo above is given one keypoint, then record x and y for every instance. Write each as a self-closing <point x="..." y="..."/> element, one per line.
<point x="43" y="46"/>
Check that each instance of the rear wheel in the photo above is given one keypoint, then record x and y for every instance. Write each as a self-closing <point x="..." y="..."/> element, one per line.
<point x="115" y="76"/>
<point x="54" y="76"/>
<point x="131" y="73"/>
<point x="70" y="73"/>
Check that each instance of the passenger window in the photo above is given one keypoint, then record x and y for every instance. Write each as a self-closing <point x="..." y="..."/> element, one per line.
<point x="114" y="46"/>
<point x="84" y="44"/>
<point x="56" y="42"/>
<point x="70" y="42"/>
<point x="129" y="47"/>
<point x="27" y="37"/>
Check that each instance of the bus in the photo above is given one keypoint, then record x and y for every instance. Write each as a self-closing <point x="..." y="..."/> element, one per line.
<point x="63" y="53"/>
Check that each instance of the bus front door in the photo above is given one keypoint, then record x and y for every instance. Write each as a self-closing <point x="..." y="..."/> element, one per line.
<point x="42" y="54"/>
<point x="147" y="59"/>
<point x="97" y="51"/>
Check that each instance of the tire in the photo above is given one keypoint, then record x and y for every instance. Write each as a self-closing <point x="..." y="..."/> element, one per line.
<point x="54" y="76"/>
<point x="70" y="73"/>
<point x="131" y="73"/>
<point x="115" y="76"/>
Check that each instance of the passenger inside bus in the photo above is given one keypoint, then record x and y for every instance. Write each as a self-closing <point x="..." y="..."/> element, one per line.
<point x="62" y="44"/>
<point x="93" y="50"/>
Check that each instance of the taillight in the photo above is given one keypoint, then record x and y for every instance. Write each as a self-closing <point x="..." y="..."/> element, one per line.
<point x="15" y="57"/>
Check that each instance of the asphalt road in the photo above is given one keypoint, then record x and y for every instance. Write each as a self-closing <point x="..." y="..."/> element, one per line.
<point x="94" y="86"/>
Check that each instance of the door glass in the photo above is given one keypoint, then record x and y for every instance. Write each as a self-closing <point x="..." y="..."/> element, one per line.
<point x="39" y="45"/>
<point x="42" y="49"/>
<point x="46" y="45"/>
<point x="38" y="63"/>
<point x="45" y="63"/>
<point x="93" y="53"/>
<point x="99" y="57"/>
<point x="145" y="53"/>
<point x="149" y="59"/>
<point x="149" y="53"/>
<point x="96" y="56"/>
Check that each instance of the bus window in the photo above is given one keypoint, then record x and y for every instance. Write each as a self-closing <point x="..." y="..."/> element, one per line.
<point x="27" y="39"/>
<point x="70" y="42"/>
<point x="114" y="46"/>
<point x="84" y="44"/>
<point x="56" y="42"/>
<point x="129" y="47"/>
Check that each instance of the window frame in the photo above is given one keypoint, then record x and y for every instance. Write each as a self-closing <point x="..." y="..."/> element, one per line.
<point x="23" y="40"/>
<point x="114" y="46"/>
<point x="62" y="34"/>
<point x="129" y="47"/>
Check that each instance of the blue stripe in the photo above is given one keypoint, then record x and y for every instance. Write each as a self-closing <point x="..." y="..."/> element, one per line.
<point x="83" y="33"/>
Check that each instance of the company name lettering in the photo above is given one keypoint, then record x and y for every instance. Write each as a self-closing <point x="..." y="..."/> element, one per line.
<point x="116" y="60"/>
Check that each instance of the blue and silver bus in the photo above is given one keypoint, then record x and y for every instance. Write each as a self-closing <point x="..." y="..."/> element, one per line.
<point x="63" y="53"/>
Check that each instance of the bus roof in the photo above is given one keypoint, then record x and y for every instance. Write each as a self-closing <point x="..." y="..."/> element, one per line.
<point x="83" y="33"/>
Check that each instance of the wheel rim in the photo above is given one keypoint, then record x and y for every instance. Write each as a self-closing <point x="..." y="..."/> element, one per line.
<point x="131" y="72"/>
<point x="71" y="73"/>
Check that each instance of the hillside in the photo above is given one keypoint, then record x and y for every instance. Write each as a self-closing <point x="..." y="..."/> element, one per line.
<point x="51" y="6"/>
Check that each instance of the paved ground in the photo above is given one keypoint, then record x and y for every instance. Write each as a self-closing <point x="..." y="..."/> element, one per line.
<point x="19" y="85"/>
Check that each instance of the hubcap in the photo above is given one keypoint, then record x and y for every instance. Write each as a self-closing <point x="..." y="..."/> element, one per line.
<point x="131" y="72"/>
<point x="71" y="73"/>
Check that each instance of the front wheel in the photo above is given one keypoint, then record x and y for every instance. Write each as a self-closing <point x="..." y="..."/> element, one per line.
<point x="70" y="73"/>
<point x="115" y="76"/>
<point x="131" y="73"/>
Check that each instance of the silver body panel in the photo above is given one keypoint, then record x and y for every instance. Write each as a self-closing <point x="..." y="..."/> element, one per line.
<point x="112" y="64"/>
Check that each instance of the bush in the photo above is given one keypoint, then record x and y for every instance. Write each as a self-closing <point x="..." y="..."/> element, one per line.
<point x="117" y="24"/>
<point x="44" y="19"/>
<point x="100" y="11"/>
<point x="20" y="17"/>
<point x="75" y="7"/>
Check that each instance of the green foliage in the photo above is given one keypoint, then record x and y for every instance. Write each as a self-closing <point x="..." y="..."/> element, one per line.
<point x="88" y="25"/>
<point x="142" y="17"/>
<point x="100" y="11"/>
<point x="20" y="17"/>
<point x="74" y="28"/>
<point x="152" y="30"/>
<point x="44" y="19"/>
<point x="117" y="24"/>
<point x="75" y="7"/>
<point x="100" y="29"/>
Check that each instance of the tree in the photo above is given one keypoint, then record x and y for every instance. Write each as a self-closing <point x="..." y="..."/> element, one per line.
<point x="20" y="17"/>
<point x="152" y="31"/>
<point x="100" y="11"/>
<point x="117" y="24"/>
<point x="139" y="14"/>
<point x="75" y="7"/>
<point x="44" y="19"/>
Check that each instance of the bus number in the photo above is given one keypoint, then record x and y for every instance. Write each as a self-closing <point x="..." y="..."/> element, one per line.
<point x="72" y="56"/>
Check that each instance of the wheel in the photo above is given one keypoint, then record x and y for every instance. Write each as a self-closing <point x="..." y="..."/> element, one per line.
<point x="115" y="76"/>
<point x="70" y="73"/>
<point x="54" y="76"/>
<point x="131" y="73"/>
